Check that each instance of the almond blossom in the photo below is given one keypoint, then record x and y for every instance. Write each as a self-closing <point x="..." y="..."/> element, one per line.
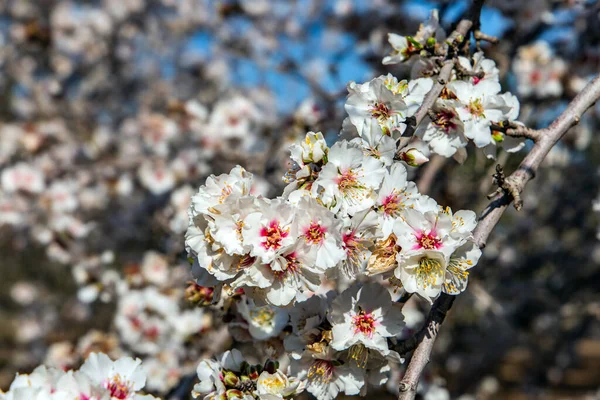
<point x="364" y="315"/>
<point x="348" y="181"/>
<point x="373" y="100"/>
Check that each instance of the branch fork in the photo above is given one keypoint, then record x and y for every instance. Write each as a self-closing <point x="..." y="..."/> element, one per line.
<point x="506" y="185"/>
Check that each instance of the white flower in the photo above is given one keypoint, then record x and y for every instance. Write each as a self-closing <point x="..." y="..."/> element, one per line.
<point x="445" y="131"/>
<point x="365" y="315"/>
<point x="418" y="231"/>
<point x="407" y="46"/>
<point x="264" y="322"/>
<point x="226" y="222"/>
<point x="457" y="272"/>
<point x="218" y="188"/>
<point x="38" y="385"/>
<point x="376" y="142"/>
<point x="158" y="131"/>
<point x="538" y="71"/>
<point x="373" y="100"/>
<point x="320" y="234"/>
<point x="422" y="272"/>
<point x="13" y="210"/>
<point x="279" y="282"/>
<point x="427" y="241"/>
<point x="349" y="179"/>
<point x="156" y="177"/>
<point x="210" y="256"/>
<point x="508" y="143"/>
<point x="155" y="268"/>
<point x="305" y="318"/>
<point x="275" y="386"/>
<point x="403" y="49"/>
<point x="359" y="233"/>
<point x="163" y="371"/>
<point x="270" y="230"/>
<point x="311" y="150"/>
<point x="142" y="319"/>
<point x="61" y="195"/>
<point x="23" y="177"/>
<point x="235" y="118"/>
<point x="122" y="378"/>
<point x="463" y="223"/>
<point x="480" y="106"/>
<point x="395" y="195"/>
<point x="327" y="377"/>
<point x="482" y="65"/>
<point x="415" y="93"/>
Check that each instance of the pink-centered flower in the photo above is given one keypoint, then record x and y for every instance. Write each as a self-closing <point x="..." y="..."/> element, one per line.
<point x="364" y="315"/>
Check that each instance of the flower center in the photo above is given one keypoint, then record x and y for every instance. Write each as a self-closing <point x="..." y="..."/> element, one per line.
<point x="321" y="371"/>
<point x="445" y="121"/>
<point x="428" y="241"/>
<point x="392" y="204"/>
<point x="476" y="108"/>
<point x="262" y="315"/>
<point x="380" y="111"/>
<point x="274" y="384"/>
<point x="315" y="233"/>
<point x="291" y="267"/>
<point x="364" y="323"/>
<point x="225" y="192"/>
<point x="428" y="271"/>
<point x="245" y="261"/>
<point x="273" y="235"/>
<point x="347" y="181"/>
<point x="118" y="388"/>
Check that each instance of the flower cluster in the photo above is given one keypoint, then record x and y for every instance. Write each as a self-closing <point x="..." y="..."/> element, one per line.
<point x="153" y="320"/>
<point x="471" y="105"/>
<point x="99" y="378"/>
<point x="232" y="377"/>
<point x="342" y="207"/>
<point x="539" y="72"/>
<point x="298" y="273"/>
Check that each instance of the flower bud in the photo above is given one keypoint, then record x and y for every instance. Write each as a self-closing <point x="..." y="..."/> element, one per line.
<point x="199" y="295"/>
<point x="244" y="367"/>
<point x="230" y="379"/>
<point x="314" y="147"/>
<point x="255" y="371"/>
<point x="497" y="136"/>
<point x="413" y="157"/>
<point x="430" y="42"/>
<point x="271" y="366"/>
<point x="233" y="394"/>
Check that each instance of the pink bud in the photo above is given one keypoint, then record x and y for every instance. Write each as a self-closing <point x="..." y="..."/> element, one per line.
<point x="413" y="157"/>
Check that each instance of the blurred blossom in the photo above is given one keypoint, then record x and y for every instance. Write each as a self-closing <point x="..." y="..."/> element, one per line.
<point x="122" y="125"/>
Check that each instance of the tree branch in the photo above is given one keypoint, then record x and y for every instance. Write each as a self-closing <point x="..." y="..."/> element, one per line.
<point x="548" y="137"/>
<point x="423" y="342"/>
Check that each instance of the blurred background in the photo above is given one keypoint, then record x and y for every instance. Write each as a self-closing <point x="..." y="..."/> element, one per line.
<point x="113" y="112"/>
